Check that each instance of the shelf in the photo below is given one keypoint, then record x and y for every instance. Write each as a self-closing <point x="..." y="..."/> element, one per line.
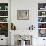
<point x="42" y="16"/>
<point x="3" y="22"/>
<point x="3" y="16"/>
<point x="41" y="22"/>
<point x="3" y="10"/>
<point x="41" y="28"/>
<point x="41" y="10"/>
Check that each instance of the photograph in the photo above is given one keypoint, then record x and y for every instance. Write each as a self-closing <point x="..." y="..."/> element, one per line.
<point x="22" y="14"/>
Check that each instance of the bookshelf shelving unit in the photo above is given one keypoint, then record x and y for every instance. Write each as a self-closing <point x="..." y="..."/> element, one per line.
<point x="4" y="19"/>
<point x="42" y="19"/>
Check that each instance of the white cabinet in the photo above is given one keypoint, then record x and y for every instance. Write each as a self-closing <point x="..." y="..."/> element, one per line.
<point x="3" y="40"/>
<point x="4" y="21"/>
<point x="42" y="24"/>
<point x="41" y="41"/>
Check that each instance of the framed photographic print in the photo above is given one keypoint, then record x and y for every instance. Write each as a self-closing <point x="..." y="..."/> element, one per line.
<point x="22" y="14"/>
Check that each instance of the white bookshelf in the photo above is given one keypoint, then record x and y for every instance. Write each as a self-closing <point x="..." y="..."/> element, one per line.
<point x="42" y="19"/>
<point x="4" y="18"/>
<point x="42" y="10"/>
<point x="3" y="12"/>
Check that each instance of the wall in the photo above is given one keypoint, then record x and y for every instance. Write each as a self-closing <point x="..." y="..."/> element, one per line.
<point x="32" y="6"/>
<point x="21" y="5"/>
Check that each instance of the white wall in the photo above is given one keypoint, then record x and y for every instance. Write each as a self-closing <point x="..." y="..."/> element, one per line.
<point x="32" y="6"/>
<point x="23" y="5"/>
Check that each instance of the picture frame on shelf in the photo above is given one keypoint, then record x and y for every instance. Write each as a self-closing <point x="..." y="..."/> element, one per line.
<point x="22" y="14"/>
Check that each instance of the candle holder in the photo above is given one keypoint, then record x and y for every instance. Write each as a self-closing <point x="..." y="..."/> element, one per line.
<point x="31" y="27"/>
